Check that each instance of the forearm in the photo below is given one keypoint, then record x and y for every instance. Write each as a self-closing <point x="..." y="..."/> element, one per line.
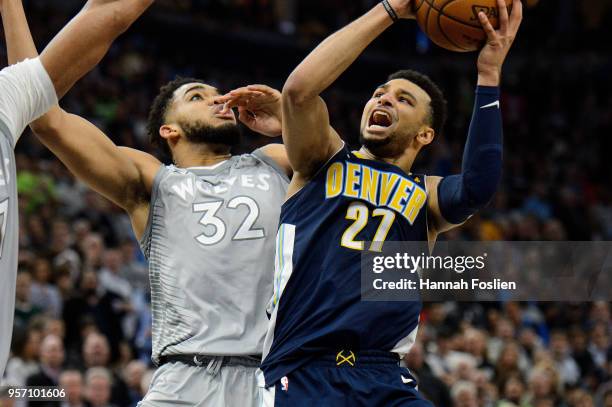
<point x="19" y="42"/>
<point x="460" y="196"/>
<point x="85" y="40"/>
<point x="334" y="55"/>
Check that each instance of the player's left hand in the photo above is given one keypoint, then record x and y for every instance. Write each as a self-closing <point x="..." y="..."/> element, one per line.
<point x="259" y="108"/>
<point x="498" y="44"/>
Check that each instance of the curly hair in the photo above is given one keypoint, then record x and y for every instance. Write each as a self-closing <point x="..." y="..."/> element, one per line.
<point x="159" y="109"/>
<point x="437" y="108"/>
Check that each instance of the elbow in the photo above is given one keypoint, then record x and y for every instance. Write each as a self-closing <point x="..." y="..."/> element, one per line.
<point x="296" y="91"/>
<point x="48" y="125"/>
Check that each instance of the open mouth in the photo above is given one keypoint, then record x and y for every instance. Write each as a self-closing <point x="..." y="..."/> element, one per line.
<point x="380" y="120"/>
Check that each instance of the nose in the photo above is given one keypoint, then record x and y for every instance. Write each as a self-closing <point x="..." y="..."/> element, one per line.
<point x="385" y="100"/>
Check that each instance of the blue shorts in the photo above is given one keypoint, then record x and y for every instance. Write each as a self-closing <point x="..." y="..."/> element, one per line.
<point x="367" y="379"/>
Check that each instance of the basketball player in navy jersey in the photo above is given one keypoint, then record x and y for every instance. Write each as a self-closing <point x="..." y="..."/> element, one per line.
<point x="324" y="346"/>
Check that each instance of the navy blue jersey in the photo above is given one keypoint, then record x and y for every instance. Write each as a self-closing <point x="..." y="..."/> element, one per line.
<point x="352" y="205"/>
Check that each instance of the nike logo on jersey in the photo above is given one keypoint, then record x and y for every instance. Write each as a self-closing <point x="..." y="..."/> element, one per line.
<point x="406" y="381"/>
<point x="494" y="104"/>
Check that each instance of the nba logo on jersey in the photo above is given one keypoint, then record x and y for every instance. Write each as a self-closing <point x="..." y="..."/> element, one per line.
<point x="285" y="383"/>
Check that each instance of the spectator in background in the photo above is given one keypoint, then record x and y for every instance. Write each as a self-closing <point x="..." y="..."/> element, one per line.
<point x="98" y="387"/>
<point x="25" y="350"/>
<point x="569" y="372"/>
<point x="72" y="383"/>
<point x="96" y="354"/>
<point x="464" y="394"/>
<point x="133" y="375"/>
<point x="434" y="389"/>
<point x="25" y="310"/>
<point x="44" y="295"/>
<point x="48" y="375"/>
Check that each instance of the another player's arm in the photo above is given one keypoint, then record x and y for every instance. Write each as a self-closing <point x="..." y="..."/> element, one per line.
<point x="122" y="176"/>
<point x="453" y="199"/>
<point x="259" y="108"/>
<point x="308" y="136"/>
<point x="82" y="43"/>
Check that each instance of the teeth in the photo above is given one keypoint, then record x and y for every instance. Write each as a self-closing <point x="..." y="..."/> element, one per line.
<point x="381" y="118"/>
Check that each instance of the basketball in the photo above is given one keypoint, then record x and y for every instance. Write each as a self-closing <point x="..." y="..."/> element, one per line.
<point x="454" y="24"/>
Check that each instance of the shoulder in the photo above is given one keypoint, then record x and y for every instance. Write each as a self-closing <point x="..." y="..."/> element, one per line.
<point x="276" y="155"/>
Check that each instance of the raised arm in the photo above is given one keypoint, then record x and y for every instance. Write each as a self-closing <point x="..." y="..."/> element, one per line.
<point x="455" y="198"/>
<point x="123" y="176"/>
<point x="85" y="40"/>
<point x="307" y="133"/>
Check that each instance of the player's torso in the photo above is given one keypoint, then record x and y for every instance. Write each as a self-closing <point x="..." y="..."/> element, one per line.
<point x="8" y="206"/>
<point x="352" y="205"/>
<point x="211" y="251"/>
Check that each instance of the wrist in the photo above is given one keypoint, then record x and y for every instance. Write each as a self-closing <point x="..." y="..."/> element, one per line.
<point x="489" y="78"/>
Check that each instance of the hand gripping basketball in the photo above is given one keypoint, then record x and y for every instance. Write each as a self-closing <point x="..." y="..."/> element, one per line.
<point x="498" y="43"/>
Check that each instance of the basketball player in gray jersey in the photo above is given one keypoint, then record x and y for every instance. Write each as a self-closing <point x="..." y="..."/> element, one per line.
<point x="27" y="90"/>
<point x="207" y="224"/>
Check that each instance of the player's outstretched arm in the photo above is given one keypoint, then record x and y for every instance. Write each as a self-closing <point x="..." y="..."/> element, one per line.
<point x="455" y="198"/>
<point x="82" y="43"/>
<point x="307" y="133"/>
<point x="122" y="176"/>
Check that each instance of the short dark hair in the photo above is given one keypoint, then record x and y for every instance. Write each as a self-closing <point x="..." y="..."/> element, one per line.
<point x="438" y="110"/>
<point x="159" y="109"/>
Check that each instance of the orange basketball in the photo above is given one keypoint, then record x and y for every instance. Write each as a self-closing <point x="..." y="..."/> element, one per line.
<point x="454" y="24"/>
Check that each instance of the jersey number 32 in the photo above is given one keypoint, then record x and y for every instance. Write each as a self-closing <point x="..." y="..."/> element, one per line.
<point x="245" y="231"/>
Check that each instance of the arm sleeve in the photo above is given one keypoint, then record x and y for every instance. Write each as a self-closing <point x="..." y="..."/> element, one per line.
<point x="26" y="93"/>
<point x="461" y="195"/>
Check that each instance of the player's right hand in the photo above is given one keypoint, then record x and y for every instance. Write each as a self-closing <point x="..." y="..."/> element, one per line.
<point x="259" y="108"/>
<point x="403" y="8"/>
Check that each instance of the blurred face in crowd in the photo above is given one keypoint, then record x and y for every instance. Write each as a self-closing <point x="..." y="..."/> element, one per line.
<point x="52" y="352"/>
<point x="32" y="347"/>
<point x="558" y="344"/>
<point x="541" y="383"/>
<point x="42" y="270"/>
<point x="96" y="351"/>
<point x="465" y="398"/>
<point x="22" y="290"/>
<point x="133" y="374"/>
<point x="396" y="113"/>
<point x="113" y="260"/>
<point x="513" y="389"/>
<point x="98" y="390"/>
<point x="72" y="382"/>
<point x="475" y="342"/>
<point x="193" y="115"/>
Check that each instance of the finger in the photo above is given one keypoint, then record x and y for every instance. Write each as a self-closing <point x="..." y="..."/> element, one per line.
<point x="486" y="25"/>
<point x="263" y="89"/>
<point x="245" y="116"/>
<point x="217" y="100"/>
<point x="517" y="15"/>
<point x="503" y="15"/>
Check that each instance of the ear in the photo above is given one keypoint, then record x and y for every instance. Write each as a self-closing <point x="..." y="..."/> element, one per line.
<point x="425" y="136"/>
<point x="169" y="132"/>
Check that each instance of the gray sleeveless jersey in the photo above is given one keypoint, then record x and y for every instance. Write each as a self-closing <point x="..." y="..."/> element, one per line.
<point x="210" y="244"/>
<point x="8" y="242"/>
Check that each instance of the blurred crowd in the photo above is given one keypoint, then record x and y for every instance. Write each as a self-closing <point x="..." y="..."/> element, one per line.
<point x="83" y="307"/>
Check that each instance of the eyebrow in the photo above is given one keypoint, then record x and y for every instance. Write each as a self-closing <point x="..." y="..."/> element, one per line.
<point x="401" y="91"/>
<point x="194" y="88"/>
